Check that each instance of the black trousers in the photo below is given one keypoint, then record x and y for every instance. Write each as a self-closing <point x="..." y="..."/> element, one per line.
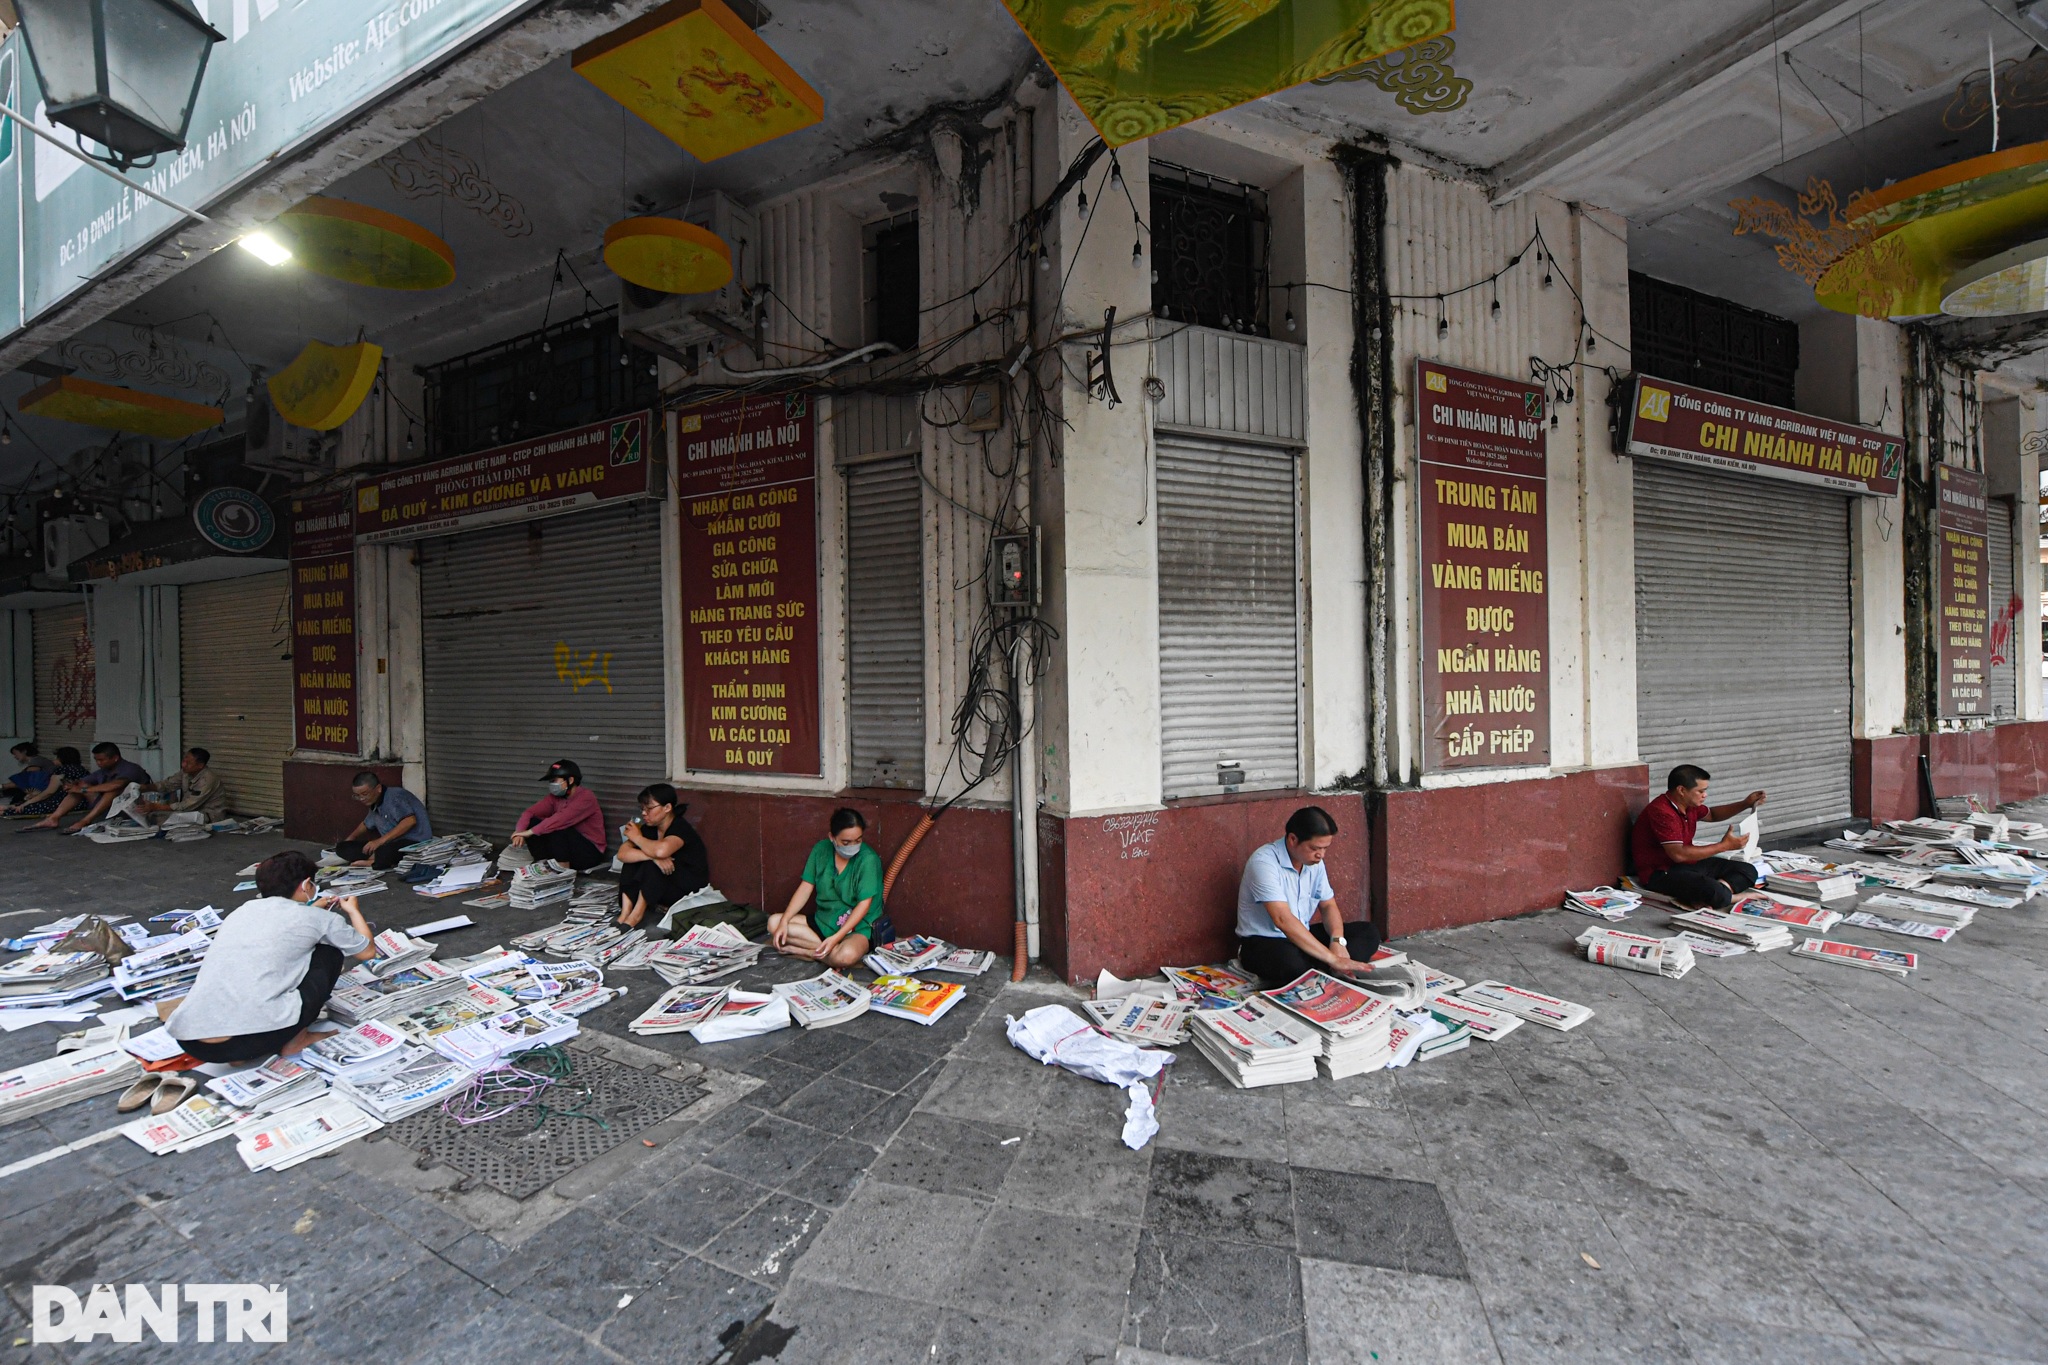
<point x="1711" y="882"/>
<point x="566" y="845"/>
<point x="383" y="859"/>
<point x="321" y="974"/>
<point x="662" y="889"/>
<point x="1276" y="961"/>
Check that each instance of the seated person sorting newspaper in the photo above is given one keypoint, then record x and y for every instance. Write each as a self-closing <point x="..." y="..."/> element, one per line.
<point x="566" y="824"/>
<point x="1283" y="890"/>
<point x="1667" y="861"/>
<point x="272" y="966"/>
<point x="845" y="875"/>
<point x="35" y="805"/>
<point x="96" y="790"/>
<point x="395" y="820"/>
<point x="664" y="859"/>
<point x="194" y="787"/>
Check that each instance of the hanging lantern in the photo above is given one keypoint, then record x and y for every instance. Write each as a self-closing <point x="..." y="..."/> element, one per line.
<point x="357" y="244"/>
<point x="326" y="384"/>
<point x="124" y="73"/>
<point x="91" y="403"/>
<point x="667" y="254"/>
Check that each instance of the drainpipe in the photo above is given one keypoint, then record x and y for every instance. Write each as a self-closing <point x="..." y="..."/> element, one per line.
<point x="1024" y="806"/>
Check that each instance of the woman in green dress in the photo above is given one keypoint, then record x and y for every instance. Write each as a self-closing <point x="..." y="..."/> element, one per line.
<point x="845" y="876"/>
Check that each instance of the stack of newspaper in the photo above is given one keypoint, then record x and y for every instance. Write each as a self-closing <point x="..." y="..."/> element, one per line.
<point x="922" y="954"/>
<point x="55" y="978"/>
<point x="1354" y="1024"/>
<point x="1704" y="945"/>
<point x="444" y="851"/>
<point x="681" y="1009"/>
<point x="457" y="879"/>
<point x="1603" y="902"/>
<point x="1145" y="1020"/>
<point x="516" y="974"/>
<point x="361" y="995"/>
<point x="616" y="945"/>
<point x="1487" y="1025"/>
<point x="594" y="900"/>
<point x="1812" y="918"/>
<point x="165" y="970"/>
<point x="1978" y="896"/>
<point x="547" y="882"/>
<point x="823" y="1000"/>
<point x="42" y="1086"/>
<point x="1923" y="908"/>
<point x="279" y="1083"/>
<point x="199" y="1120"/>
<point x="906" y="997"/>
<point x="705" y="952"/>
<point x="520" y="1029"/>
<point x="1209" y="988"/>
<point x="356" y="1051"/>
<point x="341" y="882"/>
<point x="513" y="857"/>
<point x="1889" y="960"/>
<point x="1812" y="886"/>
<point x="744" y="1014"/>
<point x="409" y="1080"/>
<point x="1758" y="935"/>
<point x="302" y="1133"/>
<point x="472" y="1003"/>
<point x="1636" y="952"/>
<point x="1547" y="1010"/>
<point x="1906" y="928"/>
<point x="1255" y="1043"/>
<point x="584" y="999"/>
<point x="396" y="951"/>
<point x="634" y="957"/>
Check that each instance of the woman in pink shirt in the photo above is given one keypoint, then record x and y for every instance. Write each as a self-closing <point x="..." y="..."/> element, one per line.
<point x="566" y="824"/>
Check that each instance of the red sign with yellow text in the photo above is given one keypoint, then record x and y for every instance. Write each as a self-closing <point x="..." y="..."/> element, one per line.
<point x="324" y="624"/>
<point x="1670" y="421"/>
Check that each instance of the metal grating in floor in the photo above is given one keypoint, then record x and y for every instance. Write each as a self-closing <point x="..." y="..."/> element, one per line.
<point x="516" y="1158"/>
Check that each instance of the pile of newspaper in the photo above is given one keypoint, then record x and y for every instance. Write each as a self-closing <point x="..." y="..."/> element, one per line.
<point x="471" y="1003"/>
<point x="744" y="1014"/>
<point x="1905" y="928"/>
<point x="355" y="1051"/>
<point x="595" y="899"/>
<point x="1255" y="1043"/>
<point x="408" y="1080"/>
<point x="919" y="953"/>
<point x="826" y="999"/>
<point x="302" y="1133"/>
<point x="1418" y="1035"/>
<point x="48" y="978"/>
<point x="362" y="995"/>
<point x="1757" y="935"/>
<point x="1145" y="1020"/>
<point x="1479" y="1021"/>
<point x="455" y="880"/>
<point x="68" y="1077"/>
<point x="681" y="1009"/>
<point x="396" y="951"/>
<point x="278" y="1084"/>
<point x="167" y="969"/>
<point x="1812" y="885"/>
<point x="1604" y="902"/>
<point x="705" y="952"/>
<point x="1812" y="918"/>
<point x="340" y="882"/>
<point x="1923" y="909"/>
<point x="1636" y="952"/>
<point x="201" y="1119"/>
<point x="520" y="1029"/>
<point x="444" y="851"/>
<point x="1211" y="987"/>
<point x="513" y="857"/>
<point x="906" y="997"/>
<point x="1354" y="1024"/>
<point x="604" y="951"/>
<point x="1889" y="960"/>
<point x="1527" y="1005"/>
<point x="185" y="827"/>
<point x="543" y="883"/>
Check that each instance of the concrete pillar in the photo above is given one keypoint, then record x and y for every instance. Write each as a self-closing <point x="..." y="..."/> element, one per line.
<point x="1877" y="558"/>
<point x="1606" y="516"/>
<point x="2027" y="575"/>
<point x="17" y="677"/>
<point x="135" y="648"/>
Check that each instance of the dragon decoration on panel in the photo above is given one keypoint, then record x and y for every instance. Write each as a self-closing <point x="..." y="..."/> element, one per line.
<point x="1139" y="67"/>
<point x="1420" y="79"/>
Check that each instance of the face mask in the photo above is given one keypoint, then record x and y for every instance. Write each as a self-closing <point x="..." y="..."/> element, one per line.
<point x="558" y="789"/>
<point x="848" y="850"/>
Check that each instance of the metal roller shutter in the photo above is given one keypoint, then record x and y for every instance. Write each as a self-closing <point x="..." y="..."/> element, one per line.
<point x="2005" y="699"/>
<point x="1742" y="638"/>
<point x="66" y="703"/>
<point x="1229" y="636"/>
<point x="542" y="640"/>
<point x="235" y="684"/>
<point x="885" y="622"/>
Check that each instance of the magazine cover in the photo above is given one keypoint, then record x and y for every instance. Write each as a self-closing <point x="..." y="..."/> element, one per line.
<point x="1219" y="985"/>
<point x="906" y="997"/>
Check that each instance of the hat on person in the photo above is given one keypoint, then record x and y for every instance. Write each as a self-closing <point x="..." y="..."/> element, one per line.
<point x="562" y="767"/>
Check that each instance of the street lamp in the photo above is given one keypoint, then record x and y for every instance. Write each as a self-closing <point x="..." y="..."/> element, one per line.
<point x="124" y="73"/>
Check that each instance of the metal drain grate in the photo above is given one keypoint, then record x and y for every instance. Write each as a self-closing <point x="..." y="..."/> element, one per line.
<point x="512" y="1156"/>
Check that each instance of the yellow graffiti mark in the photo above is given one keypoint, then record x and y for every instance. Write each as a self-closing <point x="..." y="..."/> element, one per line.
<point x="581" y="671"/>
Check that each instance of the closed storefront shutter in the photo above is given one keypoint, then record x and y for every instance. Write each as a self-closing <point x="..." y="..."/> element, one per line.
<point x="885" y="622"/>
<point x="1742" y="638"/>
<point x="542" y="640"/>
<point x="235" y="684"/>
<point x="66" y="702"/>
<point x="2005" y="701"/>
<point x="1229" y="638"/>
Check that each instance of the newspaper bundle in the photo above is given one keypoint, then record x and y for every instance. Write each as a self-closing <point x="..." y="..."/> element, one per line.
<point x="1547" y="1010"/>
<point x="704" y="953"/>
<point x="1636" y="952"/>
<point x="906" y="997"/>
<point x="1923" y="909"/>
<point x="1487" y="1024"/>
<point x="359" y="995"/>
<point x="201" y="1119"/>
<point x="396" y="951"/>
<point x="1889" y="960"/>
<point x="1758" y="935"/>
<point x="42" y="1086"/>
<point x="1354" y="1023"/>
<point x="302" y="1133"/>
<point x="681" y="1009"/>
<point x="280" y="1083"/>
<point x="357" y="1050"/>
<point x="1603" y="902"/>
<point x="1210" y="987"/>
<point x="826" y="999"/>
<point x="1812" y="918"/>
<point x="409" y="1080"/>
<point x="744" y="1014"/>
<point x="1255" y="1043"/>
<point x="1142" y="1020"/>
<point x="1939" y="933"/>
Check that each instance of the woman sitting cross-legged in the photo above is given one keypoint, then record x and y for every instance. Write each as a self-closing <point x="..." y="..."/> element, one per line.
<point x="845" y="875"/>
<point x="272" y="966"/>
<point x="664" y="858"/>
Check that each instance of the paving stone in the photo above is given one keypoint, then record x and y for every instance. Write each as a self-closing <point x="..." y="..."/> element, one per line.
<point x="770" y="1151"/>
<point x="1101" y="1178"/>
<point x="949" y="1156"/>
<point x="885" y="1066"/>
<point x="1371" y="1220"/>
<point x="1369" y="1315"/>
<point x="976" y="1339"/>
<point x="888" y="1237"/>
<point x="1010" y="1094"/>
<point x="832" y="1105"/>
<point x="1225" y="1198"/>
<point x="783" y="1080"/>
<point x="766" y="1243"/>
<point x="829" y="1324"/>
<point x="579" y="1268"/>
<point x="689" y="1211"/>
<point x="386" y="1329"/>
<point x="834" y="1175"/>
<point x="478" y="1254"/>
<point x="1215" y="1301"/>
<point x="508" y="1331"/>
<point x="1726" y="1342"/>
<point x="694" y="1310"/>
<point x="823" y="1049"/>
<point x="1047" y="1270"/>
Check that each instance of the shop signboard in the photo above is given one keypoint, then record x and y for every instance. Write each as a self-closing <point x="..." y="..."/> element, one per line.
<point x="1483" y="502"/>
<point x="1961" y="525"/>
<point x="1668" y="421"/>
<point x="747" y="478"/>
<point x="324" y="658"/>
<point x="287" y="74"/>
<point x="564" y="471"/>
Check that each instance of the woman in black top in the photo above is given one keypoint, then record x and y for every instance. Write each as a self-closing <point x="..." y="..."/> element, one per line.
<point x="664" y="859"/>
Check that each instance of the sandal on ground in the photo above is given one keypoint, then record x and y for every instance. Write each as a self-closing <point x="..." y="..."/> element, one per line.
<point x="138" y="1094"/>
<point x="177" y="1087"/>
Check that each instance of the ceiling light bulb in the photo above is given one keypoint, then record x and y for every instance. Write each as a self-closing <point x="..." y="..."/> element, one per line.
<point x="1290" y="319"/>
<point x="266" y="248"/>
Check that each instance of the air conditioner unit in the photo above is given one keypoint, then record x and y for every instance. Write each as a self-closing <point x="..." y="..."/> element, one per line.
<point x="270" y="442"/>
<point x="69" y="538"/>
<point x="673" y="325"/>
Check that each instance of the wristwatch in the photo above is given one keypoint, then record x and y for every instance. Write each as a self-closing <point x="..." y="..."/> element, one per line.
<point x="1340" y="940"/>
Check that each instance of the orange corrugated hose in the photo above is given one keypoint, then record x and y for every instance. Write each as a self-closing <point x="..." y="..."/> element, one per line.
<point x="903" y="853"/>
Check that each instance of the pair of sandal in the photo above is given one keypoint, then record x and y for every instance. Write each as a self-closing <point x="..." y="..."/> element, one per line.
<point x="162" y="1091"/>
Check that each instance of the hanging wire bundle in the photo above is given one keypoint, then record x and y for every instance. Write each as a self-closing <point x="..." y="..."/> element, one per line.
<point x="536" y="1080"/>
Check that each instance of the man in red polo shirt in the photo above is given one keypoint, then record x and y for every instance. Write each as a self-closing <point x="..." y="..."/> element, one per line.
<point x="1666" y="860"/>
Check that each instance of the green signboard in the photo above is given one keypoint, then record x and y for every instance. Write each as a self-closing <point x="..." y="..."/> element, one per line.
<point x="289" y="71"/>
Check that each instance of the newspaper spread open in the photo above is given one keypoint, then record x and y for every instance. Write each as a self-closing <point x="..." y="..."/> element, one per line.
<point x="1210" y="987"/>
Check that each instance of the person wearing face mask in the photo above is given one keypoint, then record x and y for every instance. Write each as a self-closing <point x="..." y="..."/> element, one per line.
<point x="664" y="858"/>
<point x="845" y="875"/>
<point x="566" y="824"/>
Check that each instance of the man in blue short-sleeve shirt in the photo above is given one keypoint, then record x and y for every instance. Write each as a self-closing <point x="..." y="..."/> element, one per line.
<point x="1283" y="891"/>
<point x="394" y="819"/>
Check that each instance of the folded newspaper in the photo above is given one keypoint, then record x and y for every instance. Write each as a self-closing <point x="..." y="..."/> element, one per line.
<point x="1636" y="952"/>
<point x="826" y="999"/>
<point x="1142" y="1020"/>
<point x="1547" y="1010"/>
<point x="1889" y="960"/>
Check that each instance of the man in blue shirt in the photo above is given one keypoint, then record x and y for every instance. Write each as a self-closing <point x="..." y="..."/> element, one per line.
<point x="395" y="818"/>
<point x="1283" y="891"/>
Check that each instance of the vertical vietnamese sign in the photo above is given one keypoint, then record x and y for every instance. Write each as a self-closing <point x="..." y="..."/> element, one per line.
<point x="1961" y="526"/>
<point x="324" y="623"/>
<point x="1485" y="560"/>
<point x="747" y="488"/>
